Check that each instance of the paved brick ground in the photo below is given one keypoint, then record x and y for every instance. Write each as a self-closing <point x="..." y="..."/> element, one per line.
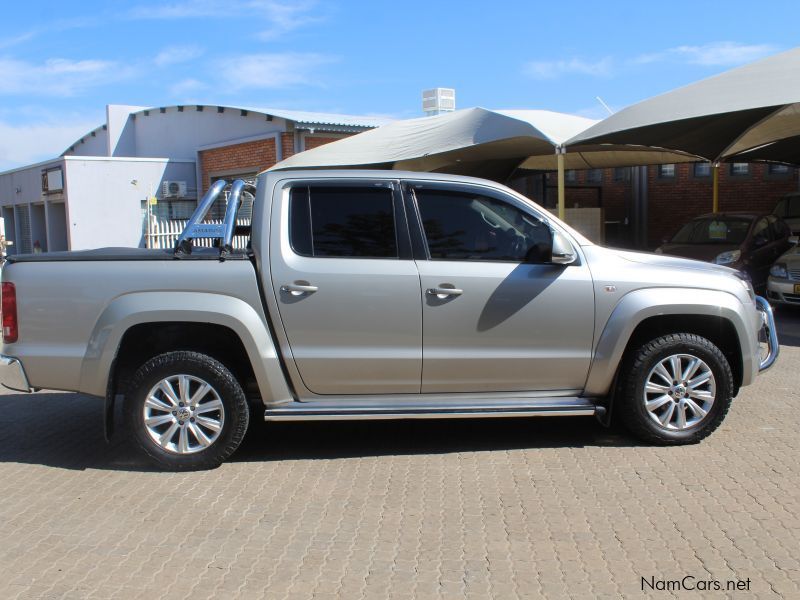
<point x="475" y="509"/>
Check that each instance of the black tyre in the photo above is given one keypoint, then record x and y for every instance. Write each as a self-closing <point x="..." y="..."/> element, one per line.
<point x="186" y="411"/>
<point x="675" y="389"/>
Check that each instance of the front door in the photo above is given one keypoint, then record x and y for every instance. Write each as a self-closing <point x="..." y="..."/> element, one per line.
<point x="493" y="319"/>
<point x="347" y="288"/>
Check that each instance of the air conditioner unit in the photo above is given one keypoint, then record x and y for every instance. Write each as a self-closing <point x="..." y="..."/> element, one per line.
<point x="173" y="189"/>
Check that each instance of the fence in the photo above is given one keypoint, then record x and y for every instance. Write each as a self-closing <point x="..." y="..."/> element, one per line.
<point x="164" y="234"/>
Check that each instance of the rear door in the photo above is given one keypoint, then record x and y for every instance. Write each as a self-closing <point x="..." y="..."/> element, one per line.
<point x="347" y="288"/>
<point x="501" y="322"/>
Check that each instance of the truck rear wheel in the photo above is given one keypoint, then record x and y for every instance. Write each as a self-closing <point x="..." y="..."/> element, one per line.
<point x="186" y="411"/>
<point x="675" y="389"/>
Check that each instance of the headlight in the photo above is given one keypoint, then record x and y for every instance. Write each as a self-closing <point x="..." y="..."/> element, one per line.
<point x="727" y="258"/>
<point x="744" y="279"/>
<point x="779" y="270"/>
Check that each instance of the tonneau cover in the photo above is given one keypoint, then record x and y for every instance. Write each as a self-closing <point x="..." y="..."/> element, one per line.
<point x="118" y="254"/>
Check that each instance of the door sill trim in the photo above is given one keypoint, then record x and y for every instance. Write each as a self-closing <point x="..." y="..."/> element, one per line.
<point x="533" y="407"/>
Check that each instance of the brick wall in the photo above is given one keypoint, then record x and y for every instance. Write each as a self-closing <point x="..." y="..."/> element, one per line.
<point x="672" y="203"/>
<point x="248" y="156"/>
<point x="314" y="141"/>
<point x="287" y="144"/>
<point x="252" y="156"/>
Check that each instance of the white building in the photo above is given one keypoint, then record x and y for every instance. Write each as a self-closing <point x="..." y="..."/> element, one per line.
<point x="95" y="194"/>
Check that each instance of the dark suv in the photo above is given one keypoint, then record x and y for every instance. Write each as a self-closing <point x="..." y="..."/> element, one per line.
<point x="744" y="241"/>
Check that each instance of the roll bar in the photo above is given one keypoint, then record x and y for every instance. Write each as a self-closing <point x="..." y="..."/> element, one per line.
<point x="195" y="228"/>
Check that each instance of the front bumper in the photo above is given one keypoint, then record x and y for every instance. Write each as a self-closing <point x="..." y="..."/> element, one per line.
<point x="768" y="327"/>
<point x="782" y="291"/>
<point x="12" y="375"/>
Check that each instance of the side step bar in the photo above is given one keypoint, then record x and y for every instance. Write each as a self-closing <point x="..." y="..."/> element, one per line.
<point x="533" y="407"/>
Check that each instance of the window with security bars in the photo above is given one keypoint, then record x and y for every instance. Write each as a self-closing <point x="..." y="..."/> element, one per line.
<point x="217" y="210"/>
<point x="22" y="216"/>
<point x="666" y="171"/>
<point x="702" y="169"/>
<point x="740" y="169"/>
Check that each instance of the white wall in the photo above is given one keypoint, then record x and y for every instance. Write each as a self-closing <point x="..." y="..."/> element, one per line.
<point x="21" y="187"/>
<point x="176" y="134"/>
<point x="93" y="145"/>
<point x="104" y="207"/>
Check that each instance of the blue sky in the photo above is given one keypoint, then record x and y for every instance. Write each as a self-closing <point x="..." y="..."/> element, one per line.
<point x="62" y="62"/>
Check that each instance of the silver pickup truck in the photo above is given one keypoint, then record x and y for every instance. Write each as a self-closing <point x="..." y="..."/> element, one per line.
<point x="380" y="295"/>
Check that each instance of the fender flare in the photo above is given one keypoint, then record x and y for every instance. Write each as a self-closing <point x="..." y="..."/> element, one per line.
<point x="152" y="307"/>
<point x="638" y="305"/>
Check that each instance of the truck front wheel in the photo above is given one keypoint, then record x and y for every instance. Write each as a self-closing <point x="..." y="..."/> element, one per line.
<point x="675" y="389"/>
<point x="186" y="411"/>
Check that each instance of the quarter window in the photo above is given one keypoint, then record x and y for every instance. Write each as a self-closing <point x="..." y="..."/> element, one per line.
<point x="342" y="222"/>
<point x="466" y="226"/>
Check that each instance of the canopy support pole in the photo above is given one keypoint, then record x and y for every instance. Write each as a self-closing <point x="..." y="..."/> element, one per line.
<point x="715" y="187"/>
<point x="561" y="192"/>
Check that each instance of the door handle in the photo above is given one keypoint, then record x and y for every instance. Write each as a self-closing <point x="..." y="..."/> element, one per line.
<point x="297" y="289"/>
<point x="444" y="292"/>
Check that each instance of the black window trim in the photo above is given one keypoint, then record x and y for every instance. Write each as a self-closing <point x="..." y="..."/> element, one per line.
<point x="401" y="233"/>
<point x="411" y="185"/>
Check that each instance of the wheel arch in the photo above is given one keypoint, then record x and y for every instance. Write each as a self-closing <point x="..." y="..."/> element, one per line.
<point x="712" y="314"/>
<point x="188" y="314"/>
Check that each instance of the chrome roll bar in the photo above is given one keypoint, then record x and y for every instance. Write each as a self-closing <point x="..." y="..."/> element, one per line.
<point x="195" y="228"/>
<point x="234" y="201"/>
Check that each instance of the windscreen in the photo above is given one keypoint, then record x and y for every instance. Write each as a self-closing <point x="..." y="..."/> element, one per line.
<point x="713" y="230"/>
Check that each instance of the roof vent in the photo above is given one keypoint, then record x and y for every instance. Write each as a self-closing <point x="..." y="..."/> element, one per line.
<point x="438" y="100"/>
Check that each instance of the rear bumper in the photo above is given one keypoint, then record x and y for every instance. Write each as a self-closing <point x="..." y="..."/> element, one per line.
<point x="768" y="327"/>
<point x="12" y="375"/>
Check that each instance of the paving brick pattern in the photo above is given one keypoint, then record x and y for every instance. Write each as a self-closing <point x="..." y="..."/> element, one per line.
<point x="518" y="508"/>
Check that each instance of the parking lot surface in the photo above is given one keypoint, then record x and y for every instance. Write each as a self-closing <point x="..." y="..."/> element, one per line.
<point x="500" y="508"/>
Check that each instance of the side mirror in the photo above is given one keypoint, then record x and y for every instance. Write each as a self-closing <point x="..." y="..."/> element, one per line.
<point x="795" y="239"/>
<point x="563" y="251"/>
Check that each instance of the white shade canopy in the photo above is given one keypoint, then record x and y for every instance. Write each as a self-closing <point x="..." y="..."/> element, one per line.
<point x="457" y="140"/>
<point x="476" y="141"/>
<point x="715" y="118"/>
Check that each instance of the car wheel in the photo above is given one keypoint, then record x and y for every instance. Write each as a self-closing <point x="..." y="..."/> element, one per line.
<point x="675" y="389"/>
<point x="186" y="411"/>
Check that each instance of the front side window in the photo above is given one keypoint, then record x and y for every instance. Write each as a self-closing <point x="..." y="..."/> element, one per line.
<point x="465" y="226"/>
<point x="761" y="233"/>
<point x="342" y="222"/>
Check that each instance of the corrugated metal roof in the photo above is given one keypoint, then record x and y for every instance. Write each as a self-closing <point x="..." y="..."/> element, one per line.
<point x="319" y="118"/>
<point x="307" y="118"/>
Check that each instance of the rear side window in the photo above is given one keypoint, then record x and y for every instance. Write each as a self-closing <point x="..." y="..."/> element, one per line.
<point x="342" y="222"/>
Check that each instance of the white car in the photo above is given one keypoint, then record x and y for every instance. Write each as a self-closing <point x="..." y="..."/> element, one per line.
<point x="783" y="285"/>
